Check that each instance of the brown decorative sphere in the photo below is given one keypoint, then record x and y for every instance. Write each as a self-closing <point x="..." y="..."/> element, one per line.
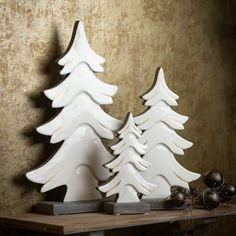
<point x="227" y="192"/>
<point x="213" y="179"/>
<point x="211" y="199"/>
<point x="177" y="199"/>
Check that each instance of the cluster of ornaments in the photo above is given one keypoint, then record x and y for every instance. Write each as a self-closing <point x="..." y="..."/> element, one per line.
<point x="142" y="166"/>
<point x="217" y="192"/>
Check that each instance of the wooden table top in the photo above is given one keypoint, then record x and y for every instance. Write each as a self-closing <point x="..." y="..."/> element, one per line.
<point x="89" y="222"/>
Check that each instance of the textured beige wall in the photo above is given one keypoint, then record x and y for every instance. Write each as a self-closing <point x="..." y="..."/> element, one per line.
<point x="194" y="41"/>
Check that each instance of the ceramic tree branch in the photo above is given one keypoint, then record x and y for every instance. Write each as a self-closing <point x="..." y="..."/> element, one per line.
<point x="127" y="182"/>
<point x="81" y="124"/>
<point x="159" y="123"/>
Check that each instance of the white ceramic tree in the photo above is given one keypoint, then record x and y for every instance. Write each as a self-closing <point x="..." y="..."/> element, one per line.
<point x="81" y="124"/>
<point x="159" y="123"/>
<point x="128" y="182"/>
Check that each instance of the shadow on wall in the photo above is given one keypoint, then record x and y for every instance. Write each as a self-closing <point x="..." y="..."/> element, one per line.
<point x="50" y="70"/>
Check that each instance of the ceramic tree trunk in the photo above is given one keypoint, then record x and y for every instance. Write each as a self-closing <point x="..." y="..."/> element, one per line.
<point x="159" y="123"/>
<point x="128" y="182"/>
<point x="81" y="124"/>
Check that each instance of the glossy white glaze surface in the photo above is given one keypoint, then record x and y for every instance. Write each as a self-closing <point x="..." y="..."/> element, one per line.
<point x="128" y="182"/>
<point x="81" y="124"/>
<point x="159" y="123"/>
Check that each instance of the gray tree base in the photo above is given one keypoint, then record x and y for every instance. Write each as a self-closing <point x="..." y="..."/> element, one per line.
<point x="159" y="204"/>
<point x="126" y="208"/>
<point x="63" y="208"/>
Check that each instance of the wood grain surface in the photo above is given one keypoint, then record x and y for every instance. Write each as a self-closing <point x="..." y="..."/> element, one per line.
<point x="79" y="223"/>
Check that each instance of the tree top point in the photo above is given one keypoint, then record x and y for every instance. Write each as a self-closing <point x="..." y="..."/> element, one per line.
<point x="79" y="51"/>
<point x="130" y="126"/>
<point x="160" y="86"/>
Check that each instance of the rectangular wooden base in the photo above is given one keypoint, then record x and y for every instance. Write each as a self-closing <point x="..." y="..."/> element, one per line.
<point x="159" y="204"/>
<point x="63" y="208"/>
<point x="126" y="208"/>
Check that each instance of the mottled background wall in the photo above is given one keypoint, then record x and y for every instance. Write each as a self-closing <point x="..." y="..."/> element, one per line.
<point x="193" y="40"/>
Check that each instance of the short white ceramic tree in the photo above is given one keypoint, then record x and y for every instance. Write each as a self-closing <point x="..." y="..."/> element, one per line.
<point x="81" y="124"/>
<point x="159" y="123"/>
<point x="128" y="182"/>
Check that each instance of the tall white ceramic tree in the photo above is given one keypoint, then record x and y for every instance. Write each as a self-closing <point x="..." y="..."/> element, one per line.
<point x="81" y="124"/>
<point x="159" y="123"/>
<point x="128" y="182"/>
